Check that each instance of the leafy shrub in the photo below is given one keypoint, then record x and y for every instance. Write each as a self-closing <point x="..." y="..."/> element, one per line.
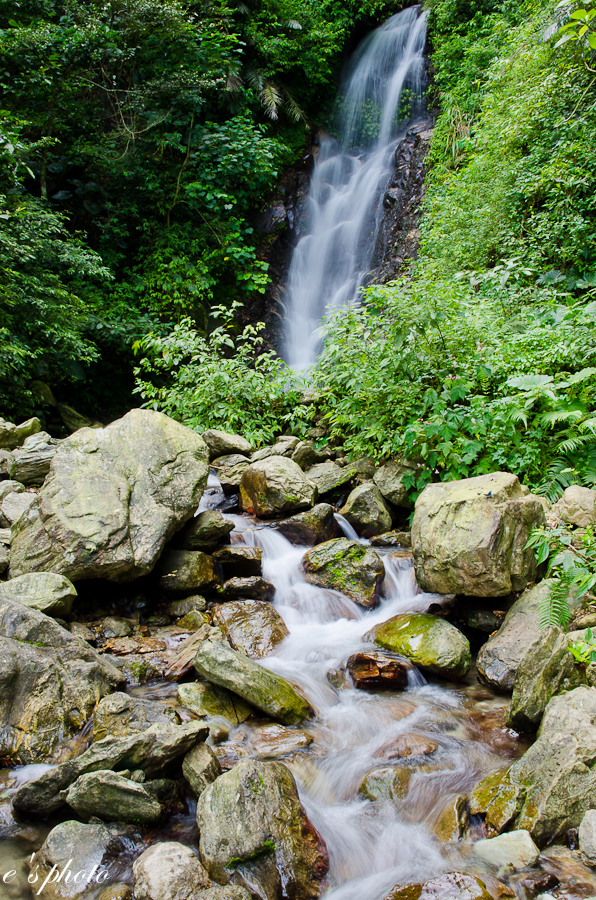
<point x="571" y="563"/>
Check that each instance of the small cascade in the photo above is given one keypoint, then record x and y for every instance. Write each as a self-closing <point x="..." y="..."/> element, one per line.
<point x="381" y="96"/>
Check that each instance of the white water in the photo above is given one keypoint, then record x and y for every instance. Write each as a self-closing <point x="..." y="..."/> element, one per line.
<point x="350" y="177"/>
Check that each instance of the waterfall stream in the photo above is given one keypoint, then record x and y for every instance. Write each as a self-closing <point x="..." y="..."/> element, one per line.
<point x="380" y="95"/>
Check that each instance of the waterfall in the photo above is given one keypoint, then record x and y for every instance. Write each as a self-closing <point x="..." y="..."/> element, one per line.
<point x="381" y="94"/>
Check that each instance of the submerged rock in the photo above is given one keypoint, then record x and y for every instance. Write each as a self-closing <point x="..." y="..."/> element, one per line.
<point x="46" y="592"/>
<point x="367" y="511"/>
<point x="251" y="626"/>
<point x="374" y="670"/>
<point x="387" y="783"/>
<point x="258" y="686"/>
<point x="314" y="526"/>
<point x="453" y="886"/>
<point x="427" y="641"/>
<point x="121" y="714"/>
<point x="274" y="486"/>
<point x="469" y="537"/>
<point x="114" y="798"/>
<point x="169" y="871"/>
<point x="253" y="831"/>
<point x="221" y="442"/>
<point x="114" y="496"/>
<point x="273" y="741"/>
<point x="348" y="567"/>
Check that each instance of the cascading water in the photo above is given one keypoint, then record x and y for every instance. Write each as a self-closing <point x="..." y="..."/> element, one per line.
<point x="351" y="175"/>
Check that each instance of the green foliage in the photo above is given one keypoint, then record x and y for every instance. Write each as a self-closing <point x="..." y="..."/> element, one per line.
<point x="584" y="651"/>
<point x="581" y="24"/>
<point x="571" y="563"/>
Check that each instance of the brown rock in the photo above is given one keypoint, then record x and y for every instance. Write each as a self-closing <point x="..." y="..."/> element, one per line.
<point x="375" y="670"/>
<point x="252" y="626"/>
<point x="410" y="744"/>
<point x="453" y="886"/>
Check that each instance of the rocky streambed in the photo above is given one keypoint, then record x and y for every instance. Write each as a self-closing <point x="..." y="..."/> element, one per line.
<point x="228" y="688"/>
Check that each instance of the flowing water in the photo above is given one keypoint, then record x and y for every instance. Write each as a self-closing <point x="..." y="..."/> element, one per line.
<point x="380" y="95"/>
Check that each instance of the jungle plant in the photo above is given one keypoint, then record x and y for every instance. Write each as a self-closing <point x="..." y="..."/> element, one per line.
<point x="571" y="564"/>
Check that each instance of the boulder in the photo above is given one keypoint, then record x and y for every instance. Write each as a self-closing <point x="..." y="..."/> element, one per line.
<point x="514" y="850"/>
<point x="114" y="496"/>
<point x="267" y="691"/>
<point x="426" y="640"/>
<point x="31" y="462"/>
<point x="14" y="506"/>
<point x="152" y="751"/>
<point x="469" y="536"/>
<point x="253" y="831"/>
<point x="453" y="886"/>
<point x="367" y="511"/>
<point x="114" y="798"/>
<point x="169" y="871"/>
<point x="229" y="471"/>
<point x="550" y="788"/>
<point x="499" y="659"/>
<point x="314" y="526"/>
<point x="374" y="670"/>
<point x="50" y="682"/>
<point x="587" y="837"/>
<point x="275" y="486"/>
<point x="306" y="454"/>
<point x="239" y="562"/>
<point x="188" y="570"/>
<point x="12" y="436"/>
<point x="400" y="540"/>
<point x="73" y="420"/>
<point x="251" y="626"/>
<point x="206" y="699"/>
<point x="221" y="443"/>
<point x="247" y="589"/>
<point x="10" y="487"/>
<point x="121" y="714"/>
<point x="328" y="476"/>
<point x="115" y="627"/>
<point x="390" y="477"/>
<point x="44" y="591"/>
<point x="577" y="506"/>
<point x="200" y="768"/>
<point x="205" y="531"/>
<point x="273" y="741"/>
<point x="348" y="567"/>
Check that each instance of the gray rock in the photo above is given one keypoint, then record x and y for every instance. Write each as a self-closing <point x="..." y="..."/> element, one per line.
<point x="426" y="640"/>
<point x="329" y="477"/>
<point x="179" y="608"/>
<point x="587" y="837"/>
<point x="200" y="768"/>
<point x="79" y="630"/>
<point x="225" y="892"/>
<point x="576" y="506"/>
<point x="314" y="526"/>
<point x="152" y="751"/>
<point x="31" y="462"/>
<point x="512" y="851"/>
<point x="389" y="480"/>
<point x="387" y="783"/>
<point x="251" y="824"/>
<point x="205" y="531"/>
<point x="348" y="567"/>
<point x="120" y="714"/>
<point x="229" y="471"/>
<point x="469" y="537"/>
<point x="220" y="443"/>
<point x="12" y="436"/>
<point x="10" y="487"/>
<point x="188" y="570"/>
<point x="16" y="505"/>
<point x="168" y="871"/>
<point x="4" y="558"/>
<point x="116" y="626"/>
<point x="114" y="798"/>
<point x="453" y="886"/>
<point x="307" y="455"/>
<point x="267" y="691"/>
<point x="367" y="511"/>
<point x="239" y="562"/>
<point x="274" y="486"/>
<point x="114" y="496"/>
<point x="44" y="591"/>
<point x="397" y="539"/>
<point x="252" y="626"/>
<point x="246" y="589"/>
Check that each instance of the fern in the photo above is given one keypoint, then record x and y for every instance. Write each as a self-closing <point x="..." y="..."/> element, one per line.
<point x="559" y="476"/>
<point x="554" y="605"/>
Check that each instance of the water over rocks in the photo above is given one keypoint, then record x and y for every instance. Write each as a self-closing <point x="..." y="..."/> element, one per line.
<point x="428" y="641"/>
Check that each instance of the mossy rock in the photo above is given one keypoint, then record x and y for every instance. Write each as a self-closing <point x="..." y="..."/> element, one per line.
<point x="426" y="640"/>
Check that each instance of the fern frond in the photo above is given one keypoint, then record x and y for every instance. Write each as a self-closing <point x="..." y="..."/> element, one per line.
<point x="294" y="111"/>
<point x="559" y="476"/>
<point x="560" y="415"/>
<point x="270" y="98"/>
<point x="554" y="606"/>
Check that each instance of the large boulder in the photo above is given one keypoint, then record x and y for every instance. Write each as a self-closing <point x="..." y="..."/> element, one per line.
<point x="44" y="591"/>
<point x="499" y="659"/>
<point x="329" y="477"/>
<point x="267" y="691"/>
<point x="251" y="626"/>
<point x="314" y="526"/>
<point x="122" y="714"/>
<point x="426" y="640"/>
<point x="114" y="798"/>
<point x="50" y="683"/>
<point x="551" y="787"/>
<point x="367" y="511"/>
<point x="577" y="506"/>
<point x="348" y="567"/>
<point x="169" y="871"/>
<point x="254" y="832"/>
<point x="113" y="497"/>
<point x="469" y="537"/>
<point x="221" y="443"/>
<point x="274" y="486"/>
<point x="390" y="480"/>
<point x="31" y="462"/>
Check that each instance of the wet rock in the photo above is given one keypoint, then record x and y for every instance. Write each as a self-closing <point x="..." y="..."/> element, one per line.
<point x="374" y="670"/>
<point x="200" y="768"/>
<point x="50" y="683"/>
<point x="205" y="531"/>
<point x="188" y="570"/>
<point x="387" y="783"/>
<point x="329" y="477"/>
<point x="389" y="480"/>
<point x="121" y="714"/>
<point x="247" y="589"/>
<point x="12" y="436"/>
<point x="453" y="886"/>
<point x="547" y="668"/>
<point x="453" y="822"/>
<point x="273" y="741"/>
<point x="114" y="496"/>
<point x="307" y="455"/>
<point x="44" y="591"/>
<point x="405" y="745"/>
<point x="251" y="823"/>
<point x="367" y="511"/>
<point x="499" y="659"/>
<point x="220" y="443"/>
<point x="251" y="626"/>
<point x="116" y="892"/>
<point x="548" y="790"/>
<point x="512" y="851"/>
<point x="206" y="699"/>
<point x="275" y="486"/>
<point x="576" y="506"/>
<point x="267" y="691"/>
<point x="239" y="562"/>
<point x="427" y="641"/>
<point x="116" y="626"/>
<point x="398" y="539"/>
<point x="469" y="536"/>
<point x="587" y="837"/>
<point x="348" y="567"/>
<point x="229" y="471"/>
<point x="179" y="608"/>
<point x="314" y="526"/>
<point x="168" y="871"/>
<point x="225" y="892"/>
<point x="14" y="506"/>
<point x="193" y="620"/>
<point x="152" y="751"/>
<point x="114" y="798"/>
<point x="31" y="463"/>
